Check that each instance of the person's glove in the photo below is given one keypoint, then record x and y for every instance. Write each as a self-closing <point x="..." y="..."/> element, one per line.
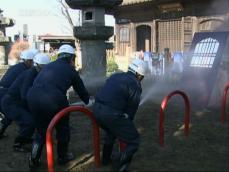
<point x="90" y="103"/>
<point x="80" y="103"/>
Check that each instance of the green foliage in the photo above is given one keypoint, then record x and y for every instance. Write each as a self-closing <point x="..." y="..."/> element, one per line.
<point x="53" y="57"/>
<point x="111" y="65"/>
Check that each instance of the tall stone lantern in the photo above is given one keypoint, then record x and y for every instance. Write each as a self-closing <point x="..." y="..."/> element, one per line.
<point x="92" y="34"/>
<point x="5" y="42"/>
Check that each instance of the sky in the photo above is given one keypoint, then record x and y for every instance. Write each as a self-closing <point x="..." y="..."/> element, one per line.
<point x="42" y="17"/>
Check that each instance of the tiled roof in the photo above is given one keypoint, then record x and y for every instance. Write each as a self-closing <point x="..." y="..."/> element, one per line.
<point x="129" y="2"/>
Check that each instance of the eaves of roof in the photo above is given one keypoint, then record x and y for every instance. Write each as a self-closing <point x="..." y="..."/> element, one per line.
<point x="130" y="2"/>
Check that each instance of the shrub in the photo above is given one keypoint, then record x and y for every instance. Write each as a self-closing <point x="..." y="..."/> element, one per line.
<point x="111" y="65"/>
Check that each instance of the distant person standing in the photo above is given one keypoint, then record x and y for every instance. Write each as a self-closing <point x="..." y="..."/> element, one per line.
<point x="10" y="76"/>
<point x="148" y="60"/>
<point x="167" y="63"/>
<point x="47" y="97"/>
<point x="141" y="55"/>
<point x="114" y="109"/>
<point x="177" y="67"/>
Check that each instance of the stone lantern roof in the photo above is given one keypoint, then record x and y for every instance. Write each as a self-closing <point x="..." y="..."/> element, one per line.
<point x="130" y="2"/>
<point x="79" y="4"/>
<point x="5" y="21"/>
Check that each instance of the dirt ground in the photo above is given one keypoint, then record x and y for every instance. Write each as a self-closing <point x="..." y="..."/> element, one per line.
<point x="205" y="149"/>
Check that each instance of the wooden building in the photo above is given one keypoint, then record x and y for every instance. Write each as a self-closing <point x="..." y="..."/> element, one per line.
<point x="152" y="25"/>
<point x="55" y="41"/>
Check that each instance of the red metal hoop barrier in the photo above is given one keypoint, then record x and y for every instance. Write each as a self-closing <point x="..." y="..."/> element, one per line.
<point x="224" y="102"/>
<point x="122" y="146"/>
<point x="56" y="119"/>
<point x="186" y="117"/>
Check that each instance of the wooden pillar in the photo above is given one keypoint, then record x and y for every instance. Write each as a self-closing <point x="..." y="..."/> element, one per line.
<point x="117" y="41"/>
<point x="147" y="45"/>
<point x="134" y="35"/>
<point x="132" y="38"/>
<point x="154" y="36"/>
<point x="195" y="25"/>
<point x="182" y="33"/>
<point x="44" y="46"/>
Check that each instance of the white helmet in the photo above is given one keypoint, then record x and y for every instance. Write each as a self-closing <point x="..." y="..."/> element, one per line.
<point x="41" y="59"/>
<point x="34" y="51"/>
<point x="27" y="55"/>
<point x="138" y="66"/>
<point x="66" y="49"/>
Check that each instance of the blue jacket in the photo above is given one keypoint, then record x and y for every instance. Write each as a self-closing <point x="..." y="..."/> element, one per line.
<point x="20" y="86"/>
<point x="121" y="92"/>
<point x="61" y="75"/>
<point x="12" y="73"/>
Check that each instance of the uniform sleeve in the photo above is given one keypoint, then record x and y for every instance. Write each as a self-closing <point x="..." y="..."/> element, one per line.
<point x="14" y="89"/>
<point x="9" y="77"/>
<point x="27" y="83"/>
<point x="79" y="87"/>
<point x="12" y="73"/>
<point x="133" y="102"/>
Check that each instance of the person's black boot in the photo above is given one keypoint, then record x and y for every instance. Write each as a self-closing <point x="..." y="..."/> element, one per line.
<point x="2" y="130"/>
<point x="124" y="162"/>
<point x="63" y="155"/>
<point x="65" y="158"/>
<point x="124" y="167"/>
<point x="34" y="158"/>
<point x="106" y="157"/>
<point x="21" y="144"/>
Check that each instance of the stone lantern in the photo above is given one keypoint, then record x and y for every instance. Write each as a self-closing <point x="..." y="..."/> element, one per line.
<point x="5" y="42"/>
<point x="92" y="34"/>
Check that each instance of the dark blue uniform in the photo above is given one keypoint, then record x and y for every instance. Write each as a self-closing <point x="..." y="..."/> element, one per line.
<point x="15" y="107"/>
<point x="12" y="73"/>
<point x="120" y="95"/>
<point x="47" y="96"/>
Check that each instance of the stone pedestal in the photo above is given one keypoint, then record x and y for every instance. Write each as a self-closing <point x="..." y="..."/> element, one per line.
<point x="93" y="49"/>
<point x="4" y="51"/>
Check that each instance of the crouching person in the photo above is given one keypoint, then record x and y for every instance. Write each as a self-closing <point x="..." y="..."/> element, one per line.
<point x="9" y="77"/>
<point x="15" y="107"/>
<point x="114" y="109"/>
<point x="47" y="97"/>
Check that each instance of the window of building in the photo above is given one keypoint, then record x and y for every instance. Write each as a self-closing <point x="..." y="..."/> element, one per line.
<point x="205" y="53"/>
<point x="124" y="35"/>
<point x="88" y="15"/>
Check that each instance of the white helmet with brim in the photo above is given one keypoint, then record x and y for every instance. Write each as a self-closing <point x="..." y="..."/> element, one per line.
<point x="138" y="66"/>
<point x="27" y="55"/>
<point x="41" y="59"/>
<point x="66" y="49"/>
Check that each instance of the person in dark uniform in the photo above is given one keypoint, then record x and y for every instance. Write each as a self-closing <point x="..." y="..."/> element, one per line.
<point x="47" y="97"/>
<point x="114" y="109"/>
<point x="10" y="76"/>
<point x="15" y="107"/>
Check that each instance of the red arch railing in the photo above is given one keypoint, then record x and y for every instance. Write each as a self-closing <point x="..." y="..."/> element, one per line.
<point x="122" y="146"/>
<point x="56" y="119"/>
<point x="186" y="118"/>
<point x="224" y="100"/>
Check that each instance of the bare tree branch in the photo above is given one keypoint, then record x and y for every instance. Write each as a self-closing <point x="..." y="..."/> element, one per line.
<point x="65" y="12"/>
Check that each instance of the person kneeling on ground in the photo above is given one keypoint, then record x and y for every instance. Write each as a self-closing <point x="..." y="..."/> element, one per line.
<point x="114" y="109"/>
